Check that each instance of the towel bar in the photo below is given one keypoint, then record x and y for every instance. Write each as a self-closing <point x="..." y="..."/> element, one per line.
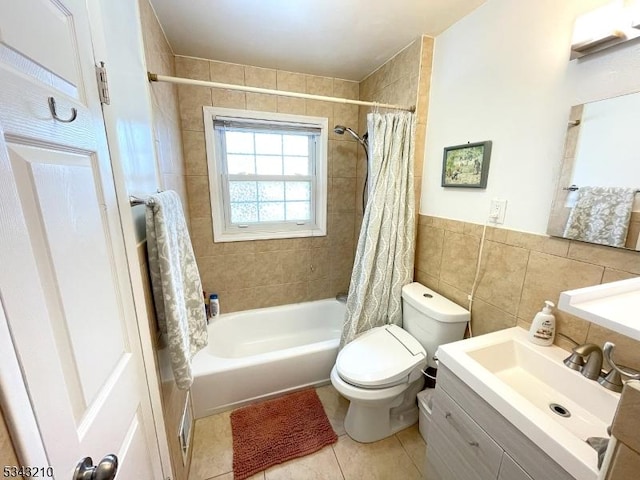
<point x="574" y="188"/>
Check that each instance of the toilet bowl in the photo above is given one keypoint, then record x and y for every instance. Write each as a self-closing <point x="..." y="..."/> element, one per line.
<point x="381" y="371"/>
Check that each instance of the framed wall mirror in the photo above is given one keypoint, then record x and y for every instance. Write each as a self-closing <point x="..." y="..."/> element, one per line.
<point x="597" y="197"/>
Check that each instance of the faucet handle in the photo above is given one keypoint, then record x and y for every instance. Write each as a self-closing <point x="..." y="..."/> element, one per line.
<point x="611" y="381"/>
<point x="575" y="361"/>
<point x="607" y="350"/>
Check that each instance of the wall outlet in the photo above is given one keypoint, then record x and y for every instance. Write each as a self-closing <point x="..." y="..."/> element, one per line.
<point x="497" y="210"/>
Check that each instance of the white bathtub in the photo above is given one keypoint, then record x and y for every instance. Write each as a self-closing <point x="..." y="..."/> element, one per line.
<point x="261" y="353"/>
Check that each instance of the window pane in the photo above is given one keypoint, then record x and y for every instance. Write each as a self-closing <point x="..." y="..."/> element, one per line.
<point x="237" y="164"/>
<point x="270" y="191"/>
<point x="270" y="143"/>
<point x="239" y="142"/>
<point x="298" y="211"/>
<point x="296" y="166"/>
<point x="244" y="212"/>
<point x="268" y="165"/>
<point x="295" y="144"/>
<point x="243" y="191"/>
<point x="298" y="191"/>
<point x="271" y="211"/>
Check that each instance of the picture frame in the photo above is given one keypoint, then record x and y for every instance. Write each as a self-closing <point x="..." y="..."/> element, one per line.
<point x="466" y="165"/>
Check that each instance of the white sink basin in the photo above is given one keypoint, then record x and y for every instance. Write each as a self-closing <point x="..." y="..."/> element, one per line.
<point x="531" y="387"/>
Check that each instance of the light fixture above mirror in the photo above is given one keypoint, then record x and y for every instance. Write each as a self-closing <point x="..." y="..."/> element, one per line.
<point x="612" y="24"/>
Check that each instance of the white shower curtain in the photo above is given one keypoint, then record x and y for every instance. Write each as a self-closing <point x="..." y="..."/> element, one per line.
<point x="386" y="246"/>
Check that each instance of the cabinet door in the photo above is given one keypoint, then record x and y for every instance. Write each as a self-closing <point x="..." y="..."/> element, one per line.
<point x="457" y="442"/>
<point x="510" y="470"/>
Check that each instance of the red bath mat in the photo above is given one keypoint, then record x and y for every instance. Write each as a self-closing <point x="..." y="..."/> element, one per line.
<point x="278" y="430"/>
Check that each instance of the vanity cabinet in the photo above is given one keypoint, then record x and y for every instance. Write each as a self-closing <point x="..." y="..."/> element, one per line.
<point x="510" y="470"/>
<point x="470" y="440"/>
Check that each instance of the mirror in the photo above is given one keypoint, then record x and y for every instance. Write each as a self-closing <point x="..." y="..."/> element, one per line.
<point x="597" y="198"/>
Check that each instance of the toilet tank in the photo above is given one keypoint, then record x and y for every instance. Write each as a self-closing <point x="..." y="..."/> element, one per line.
<point x="431" y="318"/>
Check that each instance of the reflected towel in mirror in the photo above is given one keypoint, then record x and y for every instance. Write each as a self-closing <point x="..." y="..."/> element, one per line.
<point x="601" y="215"/>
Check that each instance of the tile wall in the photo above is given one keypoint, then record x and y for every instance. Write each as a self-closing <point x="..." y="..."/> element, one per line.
<point x="264" y="273"/>
<point x="403" y="80"/>
<point x="7" y="453"/>
<point x="171" y="166"/>
<point x="519" y="271"/>
<point x="166" y="118"/>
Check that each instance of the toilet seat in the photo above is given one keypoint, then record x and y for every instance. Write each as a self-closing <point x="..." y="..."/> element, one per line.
<point x="381" y="358"/>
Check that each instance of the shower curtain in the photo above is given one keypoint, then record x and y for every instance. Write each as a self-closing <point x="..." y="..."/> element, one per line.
<point x="384" y="257"/>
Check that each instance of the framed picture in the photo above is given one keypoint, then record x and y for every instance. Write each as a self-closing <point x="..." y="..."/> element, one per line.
<point x="466" y="165"/>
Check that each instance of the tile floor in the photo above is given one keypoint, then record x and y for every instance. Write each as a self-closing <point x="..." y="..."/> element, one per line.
<point x="400" y="456"/>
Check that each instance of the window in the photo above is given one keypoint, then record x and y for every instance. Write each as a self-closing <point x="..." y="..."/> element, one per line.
<point x="267" y="173"/>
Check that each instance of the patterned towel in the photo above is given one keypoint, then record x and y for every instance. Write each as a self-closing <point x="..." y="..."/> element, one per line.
<point x="177" y="290"/>
<point x="600" y="445"/>
<point x="601" y="215"/>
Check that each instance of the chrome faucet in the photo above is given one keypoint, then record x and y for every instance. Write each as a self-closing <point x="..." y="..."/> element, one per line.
<point x="592" y="368"/>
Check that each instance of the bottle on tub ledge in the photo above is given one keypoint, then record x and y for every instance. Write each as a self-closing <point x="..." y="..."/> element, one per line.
<point x="543" y="327"/>
<point x="214" y="306"/>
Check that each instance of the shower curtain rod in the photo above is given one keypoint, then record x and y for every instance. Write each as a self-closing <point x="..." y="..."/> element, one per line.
<point x="154" y="77"/>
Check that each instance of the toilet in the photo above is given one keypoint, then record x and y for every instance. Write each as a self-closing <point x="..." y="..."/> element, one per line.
<point x="381" y="371"/>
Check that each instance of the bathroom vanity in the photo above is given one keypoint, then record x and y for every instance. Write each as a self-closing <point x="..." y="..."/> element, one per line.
<point x="469" y="439"/>
<point x="507" y="409"/>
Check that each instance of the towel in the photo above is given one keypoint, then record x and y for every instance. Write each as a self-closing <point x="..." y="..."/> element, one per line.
<point x="601" y="215"/>
<point x="176" y="285"/>
<point x="600" y="445"/>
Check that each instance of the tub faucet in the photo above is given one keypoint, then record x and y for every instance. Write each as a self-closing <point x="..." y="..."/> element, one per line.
<point x="593" y="354"/>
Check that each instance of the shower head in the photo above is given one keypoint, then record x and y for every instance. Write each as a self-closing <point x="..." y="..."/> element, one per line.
<point x="340" y="129"/>
<point x="364" y="141"/>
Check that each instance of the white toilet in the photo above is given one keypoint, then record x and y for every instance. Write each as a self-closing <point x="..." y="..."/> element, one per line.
<point x="380" y="372"/>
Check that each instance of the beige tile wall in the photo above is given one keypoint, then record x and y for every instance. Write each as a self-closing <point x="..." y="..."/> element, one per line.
<point x="171" y="165"/>
<point x="7" y="453"/>
<point x="264" y="273"/>
<point x="404" y="80"/>
<point x="274" y="272"/>
<point x="519" y="271"/>
<point x="166" y="116"/>
<point x="173" y="399"/>
<point x="625" y="462"/>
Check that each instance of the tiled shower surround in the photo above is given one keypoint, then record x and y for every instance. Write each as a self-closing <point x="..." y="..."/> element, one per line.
<point x="254" y="274"/>
<point x="263" y="273"/>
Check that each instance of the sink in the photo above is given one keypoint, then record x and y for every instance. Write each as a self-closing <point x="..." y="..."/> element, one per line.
<point x="556" y="407"/>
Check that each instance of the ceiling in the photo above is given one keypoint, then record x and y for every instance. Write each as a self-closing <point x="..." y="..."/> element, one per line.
<point x="346" y="39"/>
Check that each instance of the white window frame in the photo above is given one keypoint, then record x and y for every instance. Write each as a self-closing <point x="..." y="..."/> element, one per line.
<point x="223" y="230"/>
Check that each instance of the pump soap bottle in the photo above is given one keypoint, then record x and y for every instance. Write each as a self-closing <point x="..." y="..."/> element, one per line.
<point x="543" y="327"/>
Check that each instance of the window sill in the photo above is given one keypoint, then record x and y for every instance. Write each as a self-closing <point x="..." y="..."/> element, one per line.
<point x="267" y="235"/>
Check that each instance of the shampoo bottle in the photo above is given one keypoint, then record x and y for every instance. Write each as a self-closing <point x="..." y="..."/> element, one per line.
<point x="214" y="306"/>
<point x="543" y="327"/>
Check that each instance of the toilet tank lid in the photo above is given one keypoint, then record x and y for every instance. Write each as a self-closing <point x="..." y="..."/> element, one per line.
<point x="433" y="304"/>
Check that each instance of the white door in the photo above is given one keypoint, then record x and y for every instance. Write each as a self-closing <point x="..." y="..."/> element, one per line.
<point x="64" y="283"/>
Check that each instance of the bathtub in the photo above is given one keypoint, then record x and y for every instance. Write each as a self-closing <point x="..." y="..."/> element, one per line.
<point x="257" y="354"/>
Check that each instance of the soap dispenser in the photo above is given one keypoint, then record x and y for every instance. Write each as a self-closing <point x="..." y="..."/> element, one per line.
<point x="543" y="327"/>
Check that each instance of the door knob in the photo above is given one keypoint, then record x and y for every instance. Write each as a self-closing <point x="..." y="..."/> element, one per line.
<point x="105" y="470"/>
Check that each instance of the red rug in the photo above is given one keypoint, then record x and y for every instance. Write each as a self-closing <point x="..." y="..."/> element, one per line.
<point x="278" y="430"/>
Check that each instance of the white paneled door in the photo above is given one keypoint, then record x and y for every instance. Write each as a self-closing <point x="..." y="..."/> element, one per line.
<point x="64" y="283"/>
